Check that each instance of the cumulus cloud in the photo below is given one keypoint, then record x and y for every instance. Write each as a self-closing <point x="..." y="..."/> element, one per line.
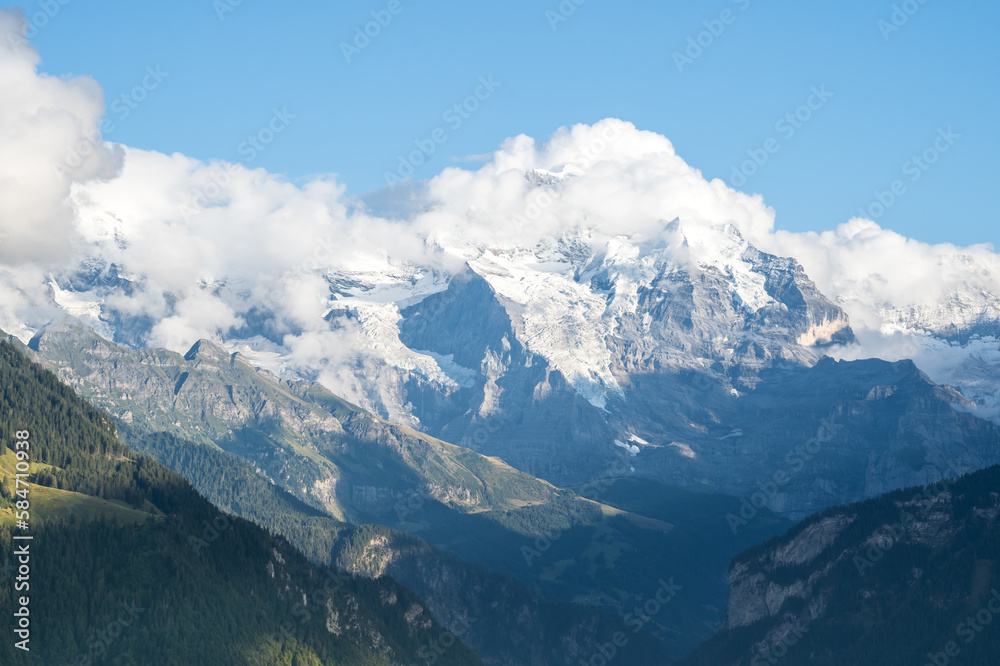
<point x="207" y="246"/>
<point x="609" y="177"/>
<point x="180" y="226"/>
<point x="890" y="283"/>
<point x="270" y="241"/>
<point x="198" y="315"/>
<point x="206" y="243"/>
<point x="49" y="139"/>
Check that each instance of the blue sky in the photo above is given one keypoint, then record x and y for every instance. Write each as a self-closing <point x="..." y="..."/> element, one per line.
<point x="893" y="90"/>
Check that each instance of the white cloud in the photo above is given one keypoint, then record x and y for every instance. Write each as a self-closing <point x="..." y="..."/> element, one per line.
<point x="25" y="301"/>
<point x="197" y="316"/>
<point x="609" y="177"/>
<point x="205" y="242"/>
<point x="49" y="139"/>
<point x="891" y="283"/>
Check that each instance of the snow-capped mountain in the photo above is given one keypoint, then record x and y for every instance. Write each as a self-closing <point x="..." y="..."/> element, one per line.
<point x="683" y="351"/>
<point x="564" y="304"/>
<point x="687" y="300"/>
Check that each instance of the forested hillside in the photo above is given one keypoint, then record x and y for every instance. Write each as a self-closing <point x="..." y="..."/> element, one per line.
<point x="909" y="578"/>
<point x="299" y="461"/>
<point x="512" y="624"/>
<point x="129" y="565"/>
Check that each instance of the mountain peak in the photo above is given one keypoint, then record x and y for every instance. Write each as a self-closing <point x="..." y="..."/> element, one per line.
<point x="208" y="351"/>
<point x="67" y="327"/>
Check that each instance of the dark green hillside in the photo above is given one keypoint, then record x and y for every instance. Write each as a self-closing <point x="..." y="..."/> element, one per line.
<point x="129" y="565"/>
<point x="909" y="578"/>
<point x="513" y="625"/>
<point x="231" y="429"/>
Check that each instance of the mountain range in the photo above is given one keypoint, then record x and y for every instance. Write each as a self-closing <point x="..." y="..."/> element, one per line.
<point x="572" y="403"/>
<point x="125" y="563"/>
<point x="489" y="410"/>
<point x="908" y="578"/>
<point x="560" y="357"/>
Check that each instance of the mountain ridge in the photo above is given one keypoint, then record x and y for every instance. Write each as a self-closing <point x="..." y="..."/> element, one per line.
<point x="200" y="585"/>
<point x="904" y="578"/>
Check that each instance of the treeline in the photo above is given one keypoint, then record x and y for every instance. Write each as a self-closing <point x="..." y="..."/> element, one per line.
<point x="187" y="585"/>
<point x="459" y="587"/>
<point x="926" y="590"/>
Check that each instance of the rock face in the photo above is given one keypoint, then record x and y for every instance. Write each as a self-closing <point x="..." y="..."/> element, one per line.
<point x="693" y="351"/>
<point x="807" y="438"/>
<point x="347" y="463"/>
<point x="330" y="454"/>
<point x="698" y="354"/>
<point x="754" y="596"/>
<point x="920" y="564"/>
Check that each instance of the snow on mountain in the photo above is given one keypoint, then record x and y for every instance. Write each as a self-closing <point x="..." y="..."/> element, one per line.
<point x="570" y="296"/>
<point x="564" y="295"/>
<point x="563" y="320"/>
<point x="609" y="254"/>
<point x="936" y="304"/>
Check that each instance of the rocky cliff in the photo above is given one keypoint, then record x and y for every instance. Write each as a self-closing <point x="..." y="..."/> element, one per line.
<point x="911" y="577"/>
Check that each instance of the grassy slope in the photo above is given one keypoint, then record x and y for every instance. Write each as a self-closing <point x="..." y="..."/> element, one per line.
<point x="52" y="504"/>
<point x="213" y="398"/>
<point x="514" y="625"/>
<point x="479" y="508"/>
<point x="223" y="602"/>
